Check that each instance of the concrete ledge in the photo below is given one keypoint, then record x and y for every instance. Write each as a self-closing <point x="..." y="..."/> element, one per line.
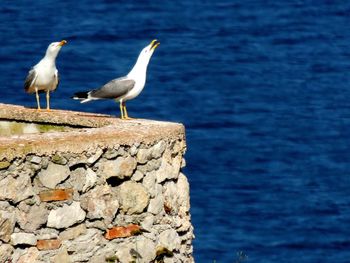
<point x="60" y="117"/>
<point x="92" y="130"/>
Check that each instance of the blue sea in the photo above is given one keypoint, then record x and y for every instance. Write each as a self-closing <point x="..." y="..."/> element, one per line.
<point x="262" y="87"/>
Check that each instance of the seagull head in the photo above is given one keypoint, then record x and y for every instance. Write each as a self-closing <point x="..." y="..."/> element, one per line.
<point x="54" y="48"/>
<point x="147" y="52"/>
<point x="141" y="64"/>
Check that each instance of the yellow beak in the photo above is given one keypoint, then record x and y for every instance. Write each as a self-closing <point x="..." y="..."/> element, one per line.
<point x="155" y="43"/>
<point x="62" y="43"/>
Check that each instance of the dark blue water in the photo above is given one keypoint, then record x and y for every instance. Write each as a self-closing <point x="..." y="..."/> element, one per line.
<point x="263" y="88"/>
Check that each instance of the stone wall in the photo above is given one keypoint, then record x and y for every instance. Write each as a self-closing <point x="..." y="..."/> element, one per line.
<point x="114" y="193"/>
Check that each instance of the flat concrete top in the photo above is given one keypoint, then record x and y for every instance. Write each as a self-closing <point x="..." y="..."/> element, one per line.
<point x="93" y="130"/>
<point x="59" y="117"/>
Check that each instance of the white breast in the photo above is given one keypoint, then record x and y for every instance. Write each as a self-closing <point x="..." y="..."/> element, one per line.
<point x="139" y="85"/>
<point x="46" y="79"/>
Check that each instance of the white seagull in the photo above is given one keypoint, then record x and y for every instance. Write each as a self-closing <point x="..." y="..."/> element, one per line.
<point x="124" y="88"/>
<point x="43" y="77"/>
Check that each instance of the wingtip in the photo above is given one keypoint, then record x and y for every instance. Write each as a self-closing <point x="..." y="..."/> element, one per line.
<point x="82" y="96"/>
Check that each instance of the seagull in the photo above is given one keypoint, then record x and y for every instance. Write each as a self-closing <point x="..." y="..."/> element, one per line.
<point x="124" y="88"/>
<point x="43" y="77"/>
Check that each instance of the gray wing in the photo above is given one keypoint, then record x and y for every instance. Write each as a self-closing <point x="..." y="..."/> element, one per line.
<point x="29" y="79"/>
<point x="114" y="89"/>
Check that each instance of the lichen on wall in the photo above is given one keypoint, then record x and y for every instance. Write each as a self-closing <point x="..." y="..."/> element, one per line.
<point x="8" y="128"/>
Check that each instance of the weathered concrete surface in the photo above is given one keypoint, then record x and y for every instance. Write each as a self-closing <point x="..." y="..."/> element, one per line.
<point x="108" y="130"/>
<point x="61" y="117"/>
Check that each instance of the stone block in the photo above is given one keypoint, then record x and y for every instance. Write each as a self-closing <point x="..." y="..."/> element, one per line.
<point x="7" y="225"/>
<point x="169" y="239"/>
<point x="53" y="175"/>
<point x="35" y="159"/>
<point x="76" y="180"/>
<point x="183" y="190"/>
<point x="151" y="165"/>
<point x="146" y="248"/>
<point x="169" y="168"/>
<point x="23" y="239"/>
<point x="16" y="189"/>
<point x="141" y="249"/>
<point x="47" y="233"/>
<point x="137" y="176"/>
<point x="81" y="179"/>
<point x="158" y="149"/>
<point x="73" y="232"/>
<point x="32" y="218"/>
<point x="62" y="256"/>
<point x="144" y="155"/>
<point x="101" y="202"/>
<point x="133" y="197"/>
<point x="149" y="182"/>
<point x="111" y="154"/>
<point x="82" y="248"/>
<point x="147" y="222"/>
<point x="66" y="216"/>
<point x="95" y="156"/>
<point x="30" y="256"/>
<point x="154" y="152"/>
<point x="90" y="180"/>
<point x="6" y="251"/>
<point x="156" y="205"/>
<point x="121" y="167"/>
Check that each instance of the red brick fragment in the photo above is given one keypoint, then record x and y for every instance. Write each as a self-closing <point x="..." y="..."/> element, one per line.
<point x="48" y="244"/>
<point x="122" y="231"/>
<point x="56" y="195"/>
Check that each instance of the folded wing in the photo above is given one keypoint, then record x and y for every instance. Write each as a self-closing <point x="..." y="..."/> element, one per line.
<point x="114" y="89"/>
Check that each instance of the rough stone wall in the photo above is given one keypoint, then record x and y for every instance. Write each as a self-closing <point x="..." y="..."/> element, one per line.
<point x="114" y="203"/>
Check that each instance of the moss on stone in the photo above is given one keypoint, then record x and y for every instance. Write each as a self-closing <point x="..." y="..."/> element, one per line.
<point x="52" y="128"/>
<point x="58" y="159"/>
<point x="4" y="164"/>
<point x="163" y="252"/>
<point x="111" y="259"/>
<point x="8" y="128"/>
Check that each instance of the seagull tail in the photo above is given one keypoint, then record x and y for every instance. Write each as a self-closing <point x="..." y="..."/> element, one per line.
<point x="83" y="96"/>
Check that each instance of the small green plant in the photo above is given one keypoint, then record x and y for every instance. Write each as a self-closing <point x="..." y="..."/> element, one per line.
<point x="161" y="253"/>
<point x="111" y="259"/>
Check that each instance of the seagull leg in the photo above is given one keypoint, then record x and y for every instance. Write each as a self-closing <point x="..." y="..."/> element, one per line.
<point x="126" y="117"/>
<point x="37" y="98"/>
<point x="121" y="109"/>
<point x="125" y="111"/>
<point x="48" y="99"/>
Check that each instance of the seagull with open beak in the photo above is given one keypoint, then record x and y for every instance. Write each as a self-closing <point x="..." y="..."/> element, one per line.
<point x="124" y="88"/>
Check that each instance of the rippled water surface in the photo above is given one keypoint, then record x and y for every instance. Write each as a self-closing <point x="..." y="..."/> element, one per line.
<point x="262" y="87"/>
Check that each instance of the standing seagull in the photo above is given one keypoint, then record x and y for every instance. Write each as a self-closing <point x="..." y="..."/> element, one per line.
<point x="44" y="75"/>
<point x="124" y="88"/>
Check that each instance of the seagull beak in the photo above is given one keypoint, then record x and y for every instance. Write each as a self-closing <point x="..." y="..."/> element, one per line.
<point x="155" y="43"/>
<point x="62" y="43"/>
